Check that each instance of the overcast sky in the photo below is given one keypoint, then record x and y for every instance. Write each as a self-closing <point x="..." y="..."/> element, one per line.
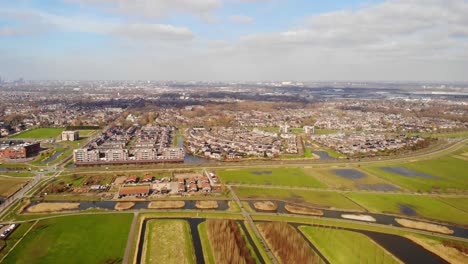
<point x="235" y="40"/>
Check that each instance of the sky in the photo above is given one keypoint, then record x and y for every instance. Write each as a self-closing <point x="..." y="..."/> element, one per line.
<point x="234" y="40"/>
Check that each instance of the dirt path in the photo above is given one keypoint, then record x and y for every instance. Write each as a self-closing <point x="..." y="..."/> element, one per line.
<point x="130" y="238"/>
<point x="254" y="227"/>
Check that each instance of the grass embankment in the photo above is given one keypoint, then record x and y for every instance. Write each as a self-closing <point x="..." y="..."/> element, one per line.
<point x="75" y="239"/>
<point x="206" y="204"/>
<point x="270" y="176"/>
<point x="416" y="206"/>
<point x="17" y="173"/>
<point x="166" y="205"/>
<point x="52" y="207"/>
<point x="424" y="226"/>
<point x="296" y="209"/>
<point x="9" y="186"/>
<point x="40" y="133"/>
<point x="311" y="198"/>
<point x="353" y="247"/>
<point x="449" y="172"/>
<point x="227" y="242"/>
<point x="265" y="206"/>
<point x="206" y="245"/>
<point x="452" y="252"/>
<point x="168" y="241"/>
<point x="124" y="205"/>
<point x="287" y="245"/>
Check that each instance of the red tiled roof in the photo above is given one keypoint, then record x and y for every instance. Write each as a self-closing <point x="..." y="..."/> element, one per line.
<point x="129" y="190"/>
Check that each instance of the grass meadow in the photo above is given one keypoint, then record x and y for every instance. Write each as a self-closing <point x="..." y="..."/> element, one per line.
<point x="75" y="239"/>
<point x="423" y="206"/>
<point x="451" y="175"/>
<point x="312" y="198"/>
<point x="40" y="133"/>
<point x="168" y="241"/>
<point x="353" y="247"/>
<point x="270" y="176"/>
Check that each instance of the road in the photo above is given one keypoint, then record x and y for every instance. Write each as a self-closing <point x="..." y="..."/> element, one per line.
<point x="247" y="217"/>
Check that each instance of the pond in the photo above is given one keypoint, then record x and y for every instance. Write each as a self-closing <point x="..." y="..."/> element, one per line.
<point x="349" y="174"/>
<point x="408" y="173"/>
<point x="323" y="155"/>
<point x="377" y="187"/>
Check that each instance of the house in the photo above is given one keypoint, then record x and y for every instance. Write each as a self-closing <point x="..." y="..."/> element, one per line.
<point x="192" y="180"/>
<point x="181" y="188"/>
<point x="204" y="179"/>
<point x="131" y="179"/>
<point x="147" y="178"/>
<point x="206" y="187"/>
<point x="181" y="181"/>
<point x="135" y="191"/>
<point x="193" y="187"/>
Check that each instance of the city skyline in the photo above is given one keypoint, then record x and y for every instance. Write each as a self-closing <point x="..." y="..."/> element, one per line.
<point x="226" y="40"/>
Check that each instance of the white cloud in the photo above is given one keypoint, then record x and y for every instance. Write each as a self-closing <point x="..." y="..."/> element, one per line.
<point x="154" y="32"/>
<point x="241" y="19"/>
<point x="154" y="8"/>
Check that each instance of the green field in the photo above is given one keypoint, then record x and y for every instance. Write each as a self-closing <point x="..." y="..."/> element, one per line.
<point x="424" y="206"/>
<point x="9" y="186"/>
<point x="334" y="181"/>
<point x="353" y="247"/>
<point x="270" y="176"/>
<point x="40" y="133"/>
<point x="459" y="202"/>
<point x="168" y="241"/>
<point x="206" y="245"/>
<point x="75" y="239"/>
<point x="87" y="132"/>
<point x="452" y="173"/>
<point x="311" y="198"/>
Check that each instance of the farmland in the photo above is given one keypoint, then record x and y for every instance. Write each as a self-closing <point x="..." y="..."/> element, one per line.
<point x="270" y="176"/>
<point x="287" y="245"/>
<point x="227" y="242"/>
<point x="354" y="247"/>
<point x="410" y="205"/>
<point x="367" y="181"/>
<point x="311" y="198"/>
<point x="9" y="186"/>
<point x="40" y="133"/>
<point x="97" y="238"/>
<point x="448" y="175"/>
<point x="168" y="241"/>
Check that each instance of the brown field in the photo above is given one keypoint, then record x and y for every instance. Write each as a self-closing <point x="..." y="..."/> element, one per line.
<point x="124" y="205"/>
<point x="9" y="186"/>
<point x="166" y="205"/>
<point x="266" y="206"/>
<point x="52" y="207"/>
<point x="206" y="204"/>
<point x="424" y="226"/>
<point x="296" y="209"/>
<point x="287" y="244"/>
<point x="450" y="254"/>
<point x="227" y="242"/>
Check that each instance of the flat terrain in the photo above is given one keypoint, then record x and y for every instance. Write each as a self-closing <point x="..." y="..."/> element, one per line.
<point x="447" y="174"/>
<point x="270" y="176"/>
<point x="8" y="186"/>
<point x="353" y="247"/>
<point x="311" y="198"/>
<point x="410" y="205"/>
<point x="168" y="241"/>
<point x="348" y="182"/>
<point x="75" y="239"/>
<point x="459" y="202"/>
<point x="40" y="133"/>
